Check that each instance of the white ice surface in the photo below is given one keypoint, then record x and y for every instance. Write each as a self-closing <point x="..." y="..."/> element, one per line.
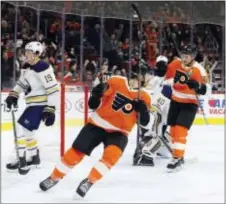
<point x="202" y="181"/>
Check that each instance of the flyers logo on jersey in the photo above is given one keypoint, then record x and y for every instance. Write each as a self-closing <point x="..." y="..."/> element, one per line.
<point x="122" y="102"/>
<point x="180" y="77"/>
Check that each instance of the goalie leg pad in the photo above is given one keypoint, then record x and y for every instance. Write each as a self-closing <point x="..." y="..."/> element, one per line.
<point x="151" y="147"/>
<point x="146" y="151"/>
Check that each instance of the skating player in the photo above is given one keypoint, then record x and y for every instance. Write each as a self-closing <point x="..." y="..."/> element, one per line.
<point x="116" y="106"/>
<point x="189" y="81"/>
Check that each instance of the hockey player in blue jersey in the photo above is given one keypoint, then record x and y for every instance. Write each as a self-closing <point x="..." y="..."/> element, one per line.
<point x="41" y="95"/>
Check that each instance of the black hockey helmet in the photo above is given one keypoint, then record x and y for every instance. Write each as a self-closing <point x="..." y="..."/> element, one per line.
<point x="189" y="49"/>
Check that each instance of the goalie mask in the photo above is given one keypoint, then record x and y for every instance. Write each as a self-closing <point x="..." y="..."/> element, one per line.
<point x="161" y="66"/>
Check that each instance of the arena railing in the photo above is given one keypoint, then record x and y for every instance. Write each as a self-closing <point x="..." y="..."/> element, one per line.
<point x="54" y="19"/>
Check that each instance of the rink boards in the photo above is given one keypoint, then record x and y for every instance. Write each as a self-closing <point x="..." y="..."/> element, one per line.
<point x="213" y="106"/>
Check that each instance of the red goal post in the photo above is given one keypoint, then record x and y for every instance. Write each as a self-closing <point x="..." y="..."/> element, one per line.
<point x="64" y="90"/>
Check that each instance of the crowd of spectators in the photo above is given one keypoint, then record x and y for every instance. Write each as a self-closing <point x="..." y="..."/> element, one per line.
<point x="157" y="38"/>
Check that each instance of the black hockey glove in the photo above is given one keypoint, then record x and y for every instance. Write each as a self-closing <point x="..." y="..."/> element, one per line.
<point x="192" y="84"/>
<point x="12" y="100"/>
<point x="199" y="88"/>
<point x="98" y="90"/>
<point x="48" y="116"/>
<point x="94" y="102"/>
<point x="139" y="105"/>
<point x="96" y="94"/>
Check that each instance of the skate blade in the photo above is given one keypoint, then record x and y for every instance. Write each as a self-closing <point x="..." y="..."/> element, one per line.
<point x="174" y="170"/>
<point x="144" y="165"/>
<point x="12" y="171"/>
<point x="23" y="171"/>
<point x="77" y="197"/>
<point x="32" y="167"/>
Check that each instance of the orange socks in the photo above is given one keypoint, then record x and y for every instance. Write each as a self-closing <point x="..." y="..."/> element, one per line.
<point x="178" y="134"/>
<point x="110" y="157"/>
<point x="71" y="158"/>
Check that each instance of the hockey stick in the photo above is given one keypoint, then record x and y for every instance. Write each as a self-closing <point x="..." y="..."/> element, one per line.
<point x="202" y="110"/>
<point x="21" y="171"/>
<point x="190" y="160"/>
<point x="135" y="9"/>
<point x="15" y="134"/>
<point x="166" y="145"/>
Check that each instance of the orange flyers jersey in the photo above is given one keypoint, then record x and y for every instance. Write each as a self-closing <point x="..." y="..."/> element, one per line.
<point x="115" y="112"/>
<point x="180" y="91"/>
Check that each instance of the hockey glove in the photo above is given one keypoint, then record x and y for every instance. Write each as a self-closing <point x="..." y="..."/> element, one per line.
<point x="199" y="88"/>
<point x="12" y="100"/>
<point x="48" y="116"/>
<point x="98" y="90"/>
<point x="139" y="105"/>
<point x="192" y="84"/>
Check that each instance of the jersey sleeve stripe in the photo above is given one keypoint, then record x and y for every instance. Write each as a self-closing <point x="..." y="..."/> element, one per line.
<point x="51" y="86"/>
<point x="52" y="90"/>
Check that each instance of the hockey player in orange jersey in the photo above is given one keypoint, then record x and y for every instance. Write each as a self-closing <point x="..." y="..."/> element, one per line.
<point x="189" y="81"/>
<point x="116" y="108"/>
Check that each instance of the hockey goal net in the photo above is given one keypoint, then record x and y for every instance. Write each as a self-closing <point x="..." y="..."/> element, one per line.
<point x="73" y="109"/>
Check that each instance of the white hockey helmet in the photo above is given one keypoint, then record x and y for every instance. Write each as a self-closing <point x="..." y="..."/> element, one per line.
<point x="35" y="46"/>
<point x="162" y="58"/>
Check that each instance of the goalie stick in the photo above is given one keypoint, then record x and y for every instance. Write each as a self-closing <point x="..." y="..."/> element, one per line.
<point x="135" y="9"/>
<point x="187" y="160"/>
